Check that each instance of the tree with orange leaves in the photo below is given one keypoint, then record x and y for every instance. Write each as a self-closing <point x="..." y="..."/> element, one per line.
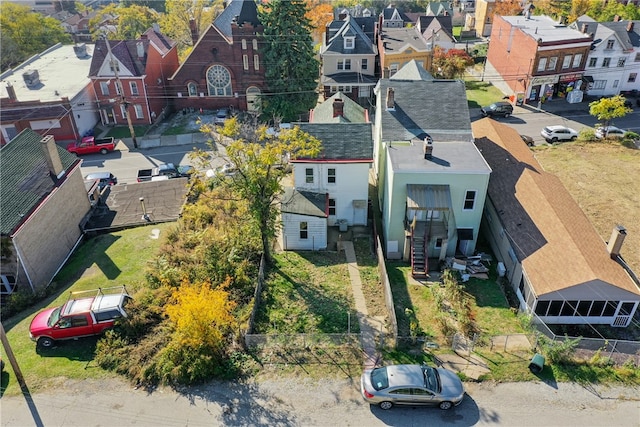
<point x="507" y="8"/>
<point x="320" y="16"/>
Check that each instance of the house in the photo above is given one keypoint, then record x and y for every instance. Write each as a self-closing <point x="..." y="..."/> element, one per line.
<point x="437" y="31"/>
<point x="399" y="46"/>
<point x="553" y="258"/>
<point x="129" y="77"/>
<point x="484" y="17"/>
<point x="39" y="94"/>
<point x="44" y="203"/>
<point x="432" y="180"/>
<point x="537" y="57"/>
<point x="348" y="58"/>
<point x="331" y="189"/>
<point x="225" y="68"/>
<point x="393" y="17"/>
<point x="613" y="63"/>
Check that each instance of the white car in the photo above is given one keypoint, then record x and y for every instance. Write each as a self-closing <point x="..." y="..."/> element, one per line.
<point x="609" y="132"/>
<point x="558" y="133"/>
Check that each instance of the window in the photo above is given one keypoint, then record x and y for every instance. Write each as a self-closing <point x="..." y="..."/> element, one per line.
<point x="621" y="62"/>
<point x="553" y="62"/>
<point x="566" y="62"/>
<point x="245" y="61"/>
<point x="332" y="207"/>
<point x="393" y="68"/>
<point x="438" y="244"/>
<point x="255" y="44"/>
<point x="104" y="88"/>
<point x="626" y="308"/>
<point x="344" y="89"/>
<point x="569" y="308"/>
<point x="609" y="44"/>
<point x="333" y="89"/>
<point x="79" y="321"/>
<point x="593" y="62"/>
<point x="542" y="64"/>
<point x="615" y="83"/>
<point x="134" y="88"/>
<point x="193" y="89"/>
<point x="637" y="57"/>
<point x="256" y="62"/>
<point x="118" y="86"/>
<point x="308" y="175"/>
<point x="583" y="308"/>
<point x="554" y="308"/>
<point x="123" y="110"/>
<point x="542" y="307"/>
<point x="469" y="200"/>
<point x="577" y="60"/>
<point x="244" y="44"/>
<point x="632" y="77"/>
<point x="331" y="176"/>
<point x="139" y="113"/>
<point x="347" y="64"/>
<point x="340" y="64"/>
<point x="111" y="66"/>
<point x="606" y="62"/>
<point x="219" y="81"/>
<point x="365" y="63"/>
<point x="304" y="232"/>
<point x="599" y="84"/>
<point x="610" y="308"/>
<point x="349" y="42"/>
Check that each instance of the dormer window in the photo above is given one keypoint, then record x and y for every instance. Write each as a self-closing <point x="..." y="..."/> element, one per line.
<point x="349" y="42"/>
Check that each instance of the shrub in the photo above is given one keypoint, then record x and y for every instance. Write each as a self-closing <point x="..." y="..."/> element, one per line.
<point x="587" y="135"/>
<point x="560" y="351"/>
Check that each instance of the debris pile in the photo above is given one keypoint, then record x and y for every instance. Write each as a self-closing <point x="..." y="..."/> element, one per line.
<point x="472" y="266"/>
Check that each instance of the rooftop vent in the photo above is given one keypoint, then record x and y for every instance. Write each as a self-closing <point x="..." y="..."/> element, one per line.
<point x="31" y="78"/>
<point x="427" y="147"/>
<point x="391" y="104"/>
<point x="80" y="50"/>
<point x="616" y="240"/>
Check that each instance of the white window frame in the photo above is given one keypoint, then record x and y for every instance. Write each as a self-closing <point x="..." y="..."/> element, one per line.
<point x="632" y="77"/>
<point x="331" y="175"/>
<point x="468" y="199"/>
<point x="553" y="63"/>
<point x="256" y="62"/>
<point x="592" y="62"/>
<point x="566" y="62"/>
<point x="308" y="176"/>
<point x="365" y="64"/>
<point x="542" y="64"/>
<point x="118" y="86"/>
<point x="349" y="42"/>
<point x="622" y="61"/>
<point x="599" y="84"/>
<point x="104" y="88"/>
<point x="138" y="110"/>
<point x="255" y="44"/>
<point x="615" y="83"/>
<point x="332" y="207"/>
<point x="577" y="59"/>
<point x="304" y="230"/>
<point x="606" y="62"/>
<point x="244" y="44"/>
<point x="123" y="111"/>
<point x="610" y="44"/>
<point x="245" y="62"/>
<point x="192" y="89"/>
<point x="133" y="86"/>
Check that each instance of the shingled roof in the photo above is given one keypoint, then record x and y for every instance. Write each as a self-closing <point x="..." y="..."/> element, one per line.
<point x="25" y="179"/>
<point x="244" y="10"/>
<point x="351" y="111"/>
<point x="342" y="141"/>
<point x="350" y="28"/>
<point x="304" y="202"/>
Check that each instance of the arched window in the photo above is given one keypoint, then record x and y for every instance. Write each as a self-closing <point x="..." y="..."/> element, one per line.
<point x="219" y="81"/>
<point x="193" y="89"/>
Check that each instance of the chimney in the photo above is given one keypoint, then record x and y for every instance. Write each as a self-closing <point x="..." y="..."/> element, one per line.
<point x="385" y="73"/>
<point x="630" y="26"/>
<point x="12" y="92"/>
<point x="156" y="27"/>
<point x="140" y="49"/>
<point x="80" y="50"/>
<point x="616" y="18"/>
<point x="338" y="108"/>
<point x="194" y="30"/>
<point x="615" y="241"/>
<point x="391" y="104"/>
<point x="50" y="150"/>
<point x="342" y="16"/>
<point x="585" y="28"/>
<point x="427" y="147"/>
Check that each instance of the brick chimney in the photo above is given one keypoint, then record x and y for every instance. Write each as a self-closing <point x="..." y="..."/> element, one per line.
<point x="616" y="240"/>
<point x="391" y="103"/>
<point x="629" y="26"/>
<point x="616" y="18"/>
<point x="50" y="150"/>
<point x="140" y="49"/>
<point x="338" y="108"/>
<point x="194" y="30"/>
<point x="585" y="28"/>
<point x="11" y="92"/>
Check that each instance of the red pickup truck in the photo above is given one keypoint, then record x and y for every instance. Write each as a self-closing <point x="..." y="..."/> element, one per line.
<point x="79" y="316"/>
<point x="91" y="145"/>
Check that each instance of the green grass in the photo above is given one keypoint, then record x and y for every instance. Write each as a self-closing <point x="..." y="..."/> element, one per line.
<point x="107" y="260"/>
<point x="480" y="94"/>
<point x="123" y="131"/>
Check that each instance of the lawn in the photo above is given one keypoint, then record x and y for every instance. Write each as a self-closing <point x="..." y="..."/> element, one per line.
<point x="123" y="131"/>
<point x="104" y="261"/>
<point x="480" y="94"/>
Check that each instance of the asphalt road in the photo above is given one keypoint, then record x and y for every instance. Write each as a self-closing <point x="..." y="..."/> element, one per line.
<point x="300" y="402"/>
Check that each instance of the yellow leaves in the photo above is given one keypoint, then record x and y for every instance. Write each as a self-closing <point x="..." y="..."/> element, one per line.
<point x="202" y="315"/>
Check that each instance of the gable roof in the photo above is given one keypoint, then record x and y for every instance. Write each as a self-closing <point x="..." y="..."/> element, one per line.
<point x="362" y="46"/>
<point x="627" y="32"/>
<point x="412" y="71"/>
<point x="393" y="13"/>
<point x="25" y="179"/>
<point x="439" y="8"/>
<point x="444" y="21"/>
<point x="245" y="10"/>
<point x="397" y="40"/>
<point x="351" y="111"/>
<point x="126" y="53"/>
<point x="341" y="141"/>
<point x="552" y="237"/>
<point x="435" y="32"/>
<point x="304" y="202"/>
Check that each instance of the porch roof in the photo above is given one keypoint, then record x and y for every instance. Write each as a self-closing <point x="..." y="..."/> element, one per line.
<point x="428" y="197"/>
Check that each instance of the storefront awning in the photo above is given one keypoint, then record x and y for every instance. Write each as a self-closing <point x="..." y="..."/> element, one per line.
<point x="588" y="79"/>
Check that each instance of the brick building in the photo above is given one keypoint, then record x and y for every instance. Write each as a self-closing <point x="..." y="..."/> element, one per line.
<point x="536" y="56"/>
<point x="225" y="68"/>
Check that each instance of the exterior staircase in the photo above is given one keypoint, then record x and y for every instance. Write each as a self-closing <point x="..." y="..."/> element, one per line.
<point x="419" y="259"/>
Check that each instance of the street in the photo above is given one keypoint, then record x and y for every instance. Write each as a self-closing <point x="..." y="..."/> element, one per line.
<point x="302" y="402"/>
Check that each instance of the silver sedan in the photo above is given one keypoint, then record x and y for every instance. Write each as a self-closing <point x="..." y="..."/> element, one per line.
<point x="411" y="385"/>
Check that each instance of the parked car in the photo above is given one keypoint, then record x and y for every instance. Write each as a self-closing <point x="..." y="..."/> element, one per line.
<point x="558" y="133"/>
<point x="221" y="116"/>
<point x="105" y="178"/>
<point x="92" y="145"/>
<point x="528" y="140"/>
<point x="168" y="170"/>
<point x="411" y="385"/>
<point x="609" y="132"/>
<point x="504" y="109"/>
<point x="7" y="287"/>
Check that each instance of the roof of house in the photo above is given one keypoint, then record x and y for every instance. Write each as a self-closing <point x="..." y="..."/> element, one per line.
<point x="397" y="40"/>
<point x="439" y="8"/>
<point x="392" y="12"/>
<point x="351" y="111"/>
<point x="546" y="29"/>
<point x="435" y="32"/>
<point x="350" y="28"/>
<point x="304" y="202"/>
<point x="25" y="179"/>
<point x="603" y="30"/>
<point x="54" y="66"/>
<point x="445" y="21"/>
<point x="552" y="237"/>
<point x="245" y="10"/>
<point x="412" y="71"/>
<point x="350" y="79"/>
<point x="341" y="141"/>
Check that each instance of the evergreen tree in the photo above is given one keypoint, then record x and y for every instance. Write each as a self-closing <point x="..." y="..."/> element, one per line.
<point x="291" y="67"/>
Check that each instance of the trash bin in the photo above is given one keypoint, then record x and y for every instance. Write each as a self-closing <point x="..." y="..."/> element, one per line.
<point x="343" y="224"/>
<point x="537" y="363"/>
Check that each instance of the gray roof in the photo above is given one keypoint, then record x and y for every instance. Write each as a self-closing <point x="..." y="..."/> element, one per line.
<point x="352" y="79"/>
<point x="25" y="179"/>
<point x="460" y="157"/>
<point x="546" y="29"/>
<point x="445" y="21"/>
<point x="246" y="10"/>
<point x="396" y="40"/>
<point x="351" y="111"/>
<point x="412" y="71"/>
<point x="342" y="141"/>
<point x="603" y="30"/>
<point x="350" y="28"/>
<point x="304" y="202"/>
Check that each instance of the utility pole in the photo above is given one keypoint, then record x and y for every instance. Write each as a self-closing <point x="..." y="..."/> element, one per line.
<point x="119" y="87"/>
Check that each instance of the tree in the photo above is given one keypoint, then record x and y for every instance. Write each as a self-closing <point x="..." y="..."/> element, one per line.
<point x="260" y="160"/>
<point x="451" y="63"/>
<point x="508" y="8"/>
<point x="291" y="67"/>
<point x="320" y="16"/>
<point x="578" y="8"/>
<point x="25" y="33"/>
<point x="608" y="109"/>
<point x="175" y="23"/>
<point x="130" y="22"/>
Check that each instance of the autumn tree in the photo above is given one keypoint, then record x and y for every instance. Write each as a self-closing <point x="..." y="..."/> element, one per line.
<point x="129" y="22"/>
<point x="175" y="23"/>
<point x="319" y="16"/>
<point x="578" y="8"/>
<point x="25" y="33"/>
<point x="610" y="108"/>
<point x="260" y="160"/>
<point x="507" y="8"/>
<point x="451" y="63"/>
<point x="291" y="68"/>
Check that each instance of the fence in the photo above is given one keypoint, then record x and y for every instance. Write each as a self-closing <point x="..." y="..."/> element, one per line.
<point x="300" y="340"/>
